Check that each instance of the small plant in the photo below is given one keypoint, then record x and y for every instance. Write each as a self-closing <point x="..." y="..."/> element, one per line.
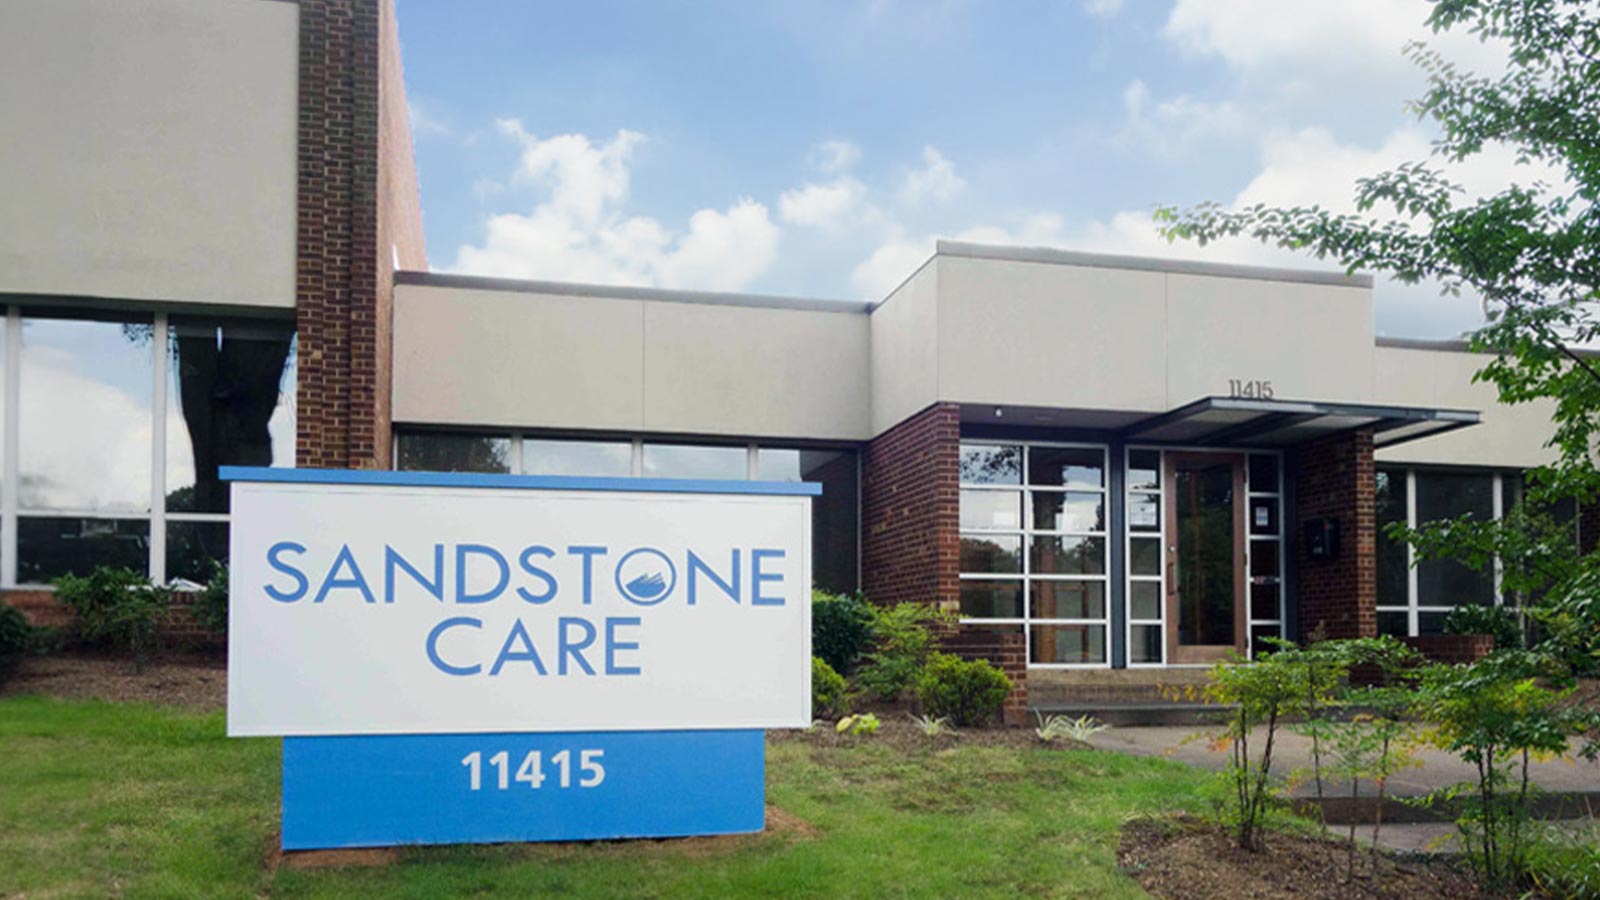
<point x="115" y="607"/>
<point x="1262" y="694"/>
<point x="933" y="727"/>
<point x="968" y="692"/>
<point x="1498" y="714"/>
<point x="1496" y="621"/>
<point x="18" y="639"/>
<point x="827" y="689"/>
<point x="841" y="629"/>
<point x="903" y="640"/>
<point x="1565" y="863"/>
<point x="210" y="606"/>
<point x="863" y="724"/>
<point x="1054" y="728"/>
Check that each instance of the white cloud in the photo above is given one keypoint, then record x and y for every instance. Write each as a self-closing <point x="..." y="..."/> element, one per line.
<point x="898" y="255"/>
<point x="935" y="180"/>
<point x="1318" y="47"/>
<point x="1102" y="9"/>
<point x="833" y="156"/>
<point x="833" y="205"/>
<point x="579" y="232"/>
<point x="1171" y="128"/>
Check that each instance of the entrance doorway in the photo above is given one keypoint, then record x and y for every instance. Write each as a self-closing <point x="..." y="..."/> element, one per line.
<point x="1207" y="608"/>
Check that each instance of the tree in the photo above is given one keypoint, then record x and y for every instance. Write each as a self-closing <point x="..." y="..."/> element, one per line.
<point x="1530" y="252"/>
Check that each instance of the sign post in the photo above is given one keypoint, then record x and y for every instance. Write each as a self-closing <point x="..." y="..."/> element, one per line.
<point x="457" y="658"/>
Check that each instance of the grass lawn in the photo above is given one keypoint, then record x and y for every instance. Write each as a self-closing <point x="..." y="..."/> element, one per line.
<point x="101" y="799"/>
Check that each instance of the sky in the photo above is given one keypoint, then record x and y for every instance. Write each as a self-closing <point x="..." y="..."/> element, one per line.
<point x="819" y="148"/>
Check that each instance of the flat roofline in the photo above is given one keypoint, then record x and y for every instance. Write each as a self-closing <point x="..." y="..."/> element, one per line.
<point x="1148" y="264"/>
<point x="1448" y="345"/>
<point x="616" y="292"/>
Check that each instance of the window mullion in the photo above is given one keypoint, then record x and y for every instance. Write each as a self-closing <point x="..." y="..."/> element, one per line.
<point x="12" y="479"/>
<point x="158" y="453"/>
<point x="1413" y="618"/>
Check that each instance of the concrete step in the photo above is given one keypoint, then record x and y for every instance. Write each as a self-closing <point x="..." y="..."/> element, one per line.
<point x="1127" y="715"/>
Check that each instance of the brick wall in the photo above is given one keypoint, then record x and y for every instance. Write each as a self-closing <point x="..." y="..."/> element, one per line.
<point x="1336" y="480"/>
<point x="1008" y="652"/>
<point x="178" y="629"/>
<point x="353" y="219"/>
<point x="909" y="510"/>
<point x="1453" y="648"/>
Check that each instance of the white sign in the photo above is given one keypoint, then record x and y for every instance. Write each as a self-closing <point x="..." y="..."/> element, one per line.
<point x="400" y="609"/>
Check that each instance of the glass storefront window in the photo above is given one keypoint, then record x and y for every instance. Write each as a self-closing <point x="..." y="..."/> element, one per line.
<point x="696" y="461"/>
<point x="595" y="459"/>
<point x="230" y="402"/>
<point x="84" y="420"/>
<point x="1414" y="601"/>
<point x="51" y="546"/>
<point x="1037" y="511"/>
<point x="835" y="515"/>
<point x="440" y="452"/>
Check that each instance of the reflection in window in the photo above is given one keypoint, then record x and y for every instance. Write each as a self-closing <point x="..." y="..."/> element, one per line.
<point x="1450" y="495"/>
<point x="1393" y="564"/>
<point x="1033" y="546"/>
<point x="835" y="516"/>
<point x="429" y="452"/>
<point x="230" y="402"/>
<point x="982" y="464"/>
<point x="193" y="548"/>
<point x="598" y="459"/>
<point x="696" y="461"/>
<point x="84" y="419"/>
<point x="51" y="546"/>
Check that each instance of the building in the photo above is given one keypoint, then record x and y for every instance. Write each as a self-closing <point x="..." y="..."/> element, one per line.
<point x="211" y="253"/>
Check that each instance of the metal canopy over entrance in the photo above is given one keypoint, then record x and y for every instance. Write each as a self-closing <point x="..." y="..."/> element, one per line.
<point x="1231" y="421"/>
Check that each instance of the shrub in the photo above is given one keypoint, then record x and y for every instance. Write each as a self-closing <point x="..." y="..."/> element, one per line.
<point x="1496" y="621"/>
<point x="1261" y="695"/>
<point x="827" y="689"/>
<point x="115" y="607"/>
<point x="967" y="692"/>
<point x="903" y="640"/>
<point x="210" y="606"/>
<point x="17" y="639"/>
<point x="841" y="629"/>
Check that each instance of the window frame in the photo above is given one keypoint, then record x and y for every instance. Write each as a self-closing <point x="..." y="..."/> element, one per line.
<point x="158" y="516"/>
<point x="637" y="442"/>
<point x="1026" y="531"/>
<point x="1414" y="608"/>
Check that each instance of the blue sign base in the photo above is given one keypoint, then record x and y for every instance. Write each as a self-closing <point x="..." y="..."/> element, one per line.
<point x="491" y="788"/>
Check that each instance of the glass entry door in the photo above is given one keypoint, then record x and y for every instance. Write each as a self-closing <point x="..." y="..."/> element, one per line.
<point x="1206" y="600"/>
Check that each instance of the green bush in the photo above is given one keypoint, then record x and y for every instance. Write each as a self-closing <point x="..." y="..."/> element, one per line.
<point x="115" y="607"/>
<point x="967" y="692"/>
<point x="827" y="689"/>
<point x="903" y="639"/>
<point x="841" y="629"/>
<point x="17" y="639"/>
<point x="1497" y="621"/>
<point x="210" y="606"/>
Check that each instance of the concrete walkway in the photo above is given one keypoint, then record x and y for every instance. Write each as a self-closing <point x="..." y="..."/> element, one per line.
<point x="1291" y="751"/>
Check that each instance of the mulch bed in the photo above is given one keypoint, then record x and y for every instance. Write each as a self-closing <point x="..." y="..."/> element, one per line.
<point x="195" y="681"/>
<point x="897" y="730"/>
<point x="1184" y="858"/>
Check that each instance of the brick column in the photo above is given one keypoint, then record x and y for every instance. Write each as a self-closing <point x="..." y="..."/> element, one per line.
<point x="343" y="386"/>
<point x="1336" y="480"/>
<point x="910" y="505"/>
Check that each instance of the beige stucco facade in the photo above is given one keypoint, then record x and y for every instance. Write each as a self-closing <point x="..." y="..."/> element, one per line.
<point x="148" y="151"/>
<point x="632" y="361"/>
<point x="981" y="327"/>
